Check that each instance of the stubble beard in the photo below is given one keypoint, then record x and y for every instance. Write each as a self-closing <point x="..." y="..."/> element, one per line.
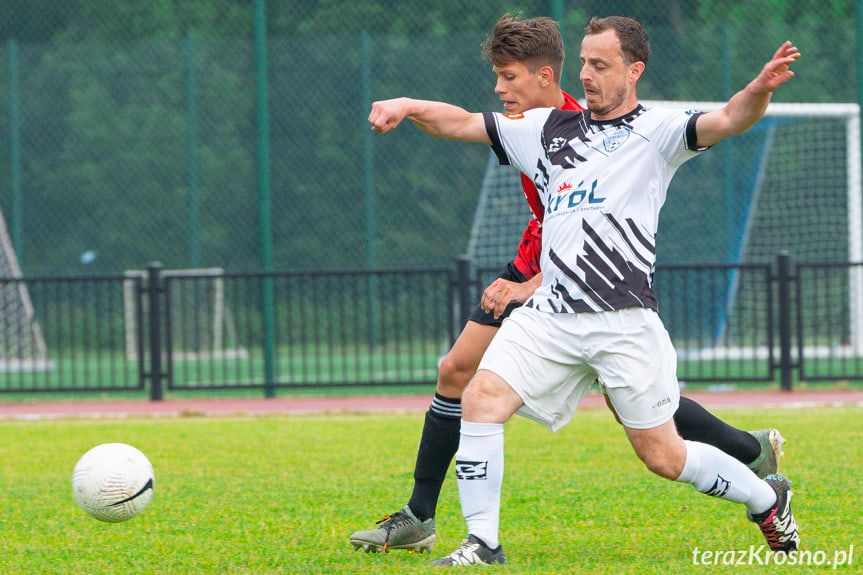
<point x="607" y="106"/>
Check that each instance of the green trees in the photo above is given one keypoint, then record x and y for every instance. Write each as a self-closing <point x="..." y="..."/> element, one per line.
<point x="137" y="120"/>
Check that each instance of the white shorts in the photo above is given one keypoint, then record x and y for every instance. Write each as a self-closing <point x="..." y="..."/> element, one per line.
<point x="552" y="359"/>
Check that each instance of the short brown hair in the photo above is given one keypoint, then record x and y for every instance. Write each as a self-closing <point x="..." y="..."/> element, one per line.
<point x="633" y="39"/>
<point x="534" y="42"/>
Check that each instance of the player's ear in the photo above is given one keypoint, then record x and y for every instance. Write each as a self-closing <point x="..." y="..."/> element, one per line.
<point x="546" y="76"/>
<point x="636" y="69"/>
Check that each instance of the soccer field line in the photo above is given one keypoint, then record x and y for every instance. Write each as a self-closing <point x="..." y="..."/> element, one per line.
<point x="762" y="352"/>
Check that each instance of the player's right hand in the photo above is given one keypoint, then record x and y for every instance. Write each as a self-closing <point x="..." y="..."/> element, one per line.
<point x="387" y="114"/>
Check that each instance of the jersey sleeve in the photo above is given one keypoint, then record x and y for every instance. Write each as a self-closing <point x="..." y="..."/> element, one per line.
<point x="676" y="136"/>
<point x="517" y="138"/>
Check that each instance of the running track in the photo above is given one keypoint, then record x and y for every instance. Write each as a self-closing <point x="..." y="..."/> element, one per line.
<point x="369" y="404"/>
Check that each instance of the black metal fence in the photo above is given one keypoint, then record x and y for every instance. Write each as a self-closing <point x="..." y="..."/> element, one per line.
<point x="159" y="330"/>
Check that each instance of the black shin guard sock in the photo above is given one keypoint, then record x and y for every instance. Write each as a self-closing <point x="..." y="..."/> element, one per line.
<point x="438" y="445"/>
<point x="697" y="424"/>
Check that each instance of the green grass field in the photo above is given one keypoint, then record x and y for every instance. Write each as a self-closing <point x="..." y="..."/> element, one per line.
<point x="282" y="495"/>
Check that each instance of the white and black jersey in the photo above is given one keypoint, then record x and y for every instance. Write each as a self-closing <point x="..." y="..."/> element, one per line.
<point x="602" y="184"/>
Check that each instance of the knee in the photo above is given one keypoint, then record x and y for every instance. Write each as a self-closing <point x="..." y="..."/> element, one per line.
<point x="660" y="448"/>
<point x="488" y="399"/>
<point x="479" y="392"/>
<point x="453" y="375"/>
<point x="663" y="466"/>
<point x="667" y="463"/>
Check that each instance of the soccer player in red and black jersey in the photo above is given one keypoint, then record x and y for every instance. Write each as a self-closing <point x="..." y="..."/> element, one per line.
<point x="527" y="58"/>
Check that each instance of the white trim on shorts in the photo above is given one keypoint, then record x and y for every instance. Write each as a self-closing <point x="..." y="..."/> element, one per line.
<point x="551" y="359"/>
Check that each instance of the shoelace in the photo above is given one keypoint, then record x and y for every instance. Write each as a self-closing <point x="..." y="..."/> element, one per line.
<point x="467" y="545"/>
<point x="389" y="523"/>
<point x="773" y="535"/>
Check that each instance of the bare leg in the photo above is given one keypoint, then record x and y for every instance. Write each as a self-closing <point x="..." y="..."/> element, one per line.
<point x="695" y="423"/>
<point x="705" y="467"/>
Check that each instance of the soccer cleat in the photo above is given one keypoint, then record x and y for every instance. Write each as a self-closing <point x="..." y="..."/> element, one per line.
<point x="401" y="530"/>
<point x="767" y="462"/>
<point x="777" y="524"/>
<point x="472" y="551"/>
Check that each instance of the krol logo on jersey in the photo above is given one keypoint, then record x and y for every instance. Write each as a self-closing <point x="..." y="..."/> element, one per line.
<point x="571" y="197"/>
<point x="614" y="139"/>
<point x="515" y="116"/>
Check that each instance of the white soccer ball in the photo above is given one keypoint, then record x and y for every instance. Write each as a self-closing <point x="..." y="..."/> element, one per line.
<point x="113" y="482"/>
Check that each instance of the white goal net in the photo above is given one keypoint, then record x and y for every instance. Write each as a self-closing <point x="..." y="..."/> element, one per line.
<point x="790" y="183"/>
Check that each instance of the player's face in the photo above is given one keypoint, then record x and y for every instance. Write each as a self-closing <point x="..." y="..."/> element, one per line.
<point x="609" y="83"/>
<point x="519" y="88"/>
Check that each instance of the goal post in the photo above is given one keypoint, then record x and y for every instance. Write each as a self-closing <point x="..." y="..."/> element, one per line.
<point x="855" y="230"/>
<point x="202" y="326"/>
<point x="792" y="182"/>
<point x="817" y="126"/>
<point x="22" y="345"/>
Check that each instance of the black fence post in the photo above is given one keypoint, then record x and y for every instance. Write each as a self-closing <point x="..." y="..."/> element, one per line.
<point x="154" y="277"/>
<point x="463" y="283"/>
<point x="783" y="261"/>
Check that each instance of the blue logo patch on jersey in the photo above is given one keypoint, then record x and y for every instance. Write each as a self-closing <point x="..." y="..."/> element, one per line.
<point x="612" y="141"/>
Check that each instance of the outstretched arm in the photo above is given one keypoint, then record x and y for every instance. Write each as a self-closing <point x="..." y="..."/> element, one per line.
<point x="435" y="118"/>
<point x="748" y="105"/>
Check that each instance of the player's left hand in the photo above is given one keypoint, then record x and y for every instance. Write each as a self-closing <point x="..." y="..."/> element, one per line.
<point x="497" y="296"/>
<point x="777" y="71"/>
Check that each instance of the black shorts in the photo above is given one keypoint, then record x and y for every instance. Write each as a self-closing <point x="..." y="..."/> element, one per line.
<point x="482" y="317"/>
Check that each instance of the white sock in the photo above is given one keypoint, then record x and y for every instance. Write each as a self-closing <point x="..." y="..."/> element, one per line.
<point x="479" y="470"/>
<point x="716" y="473"/>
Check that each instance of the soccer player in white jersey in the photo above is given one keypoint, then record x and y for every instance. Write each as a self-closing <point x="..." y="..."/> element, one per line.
<point x="527" y="58"/>
<point x="603" y="176"/>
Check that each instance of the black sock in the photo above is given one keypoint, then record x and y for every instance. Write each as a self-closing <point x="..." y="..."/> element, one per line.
<point x="437" y="448"/>
<point x="697" y="424"/>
